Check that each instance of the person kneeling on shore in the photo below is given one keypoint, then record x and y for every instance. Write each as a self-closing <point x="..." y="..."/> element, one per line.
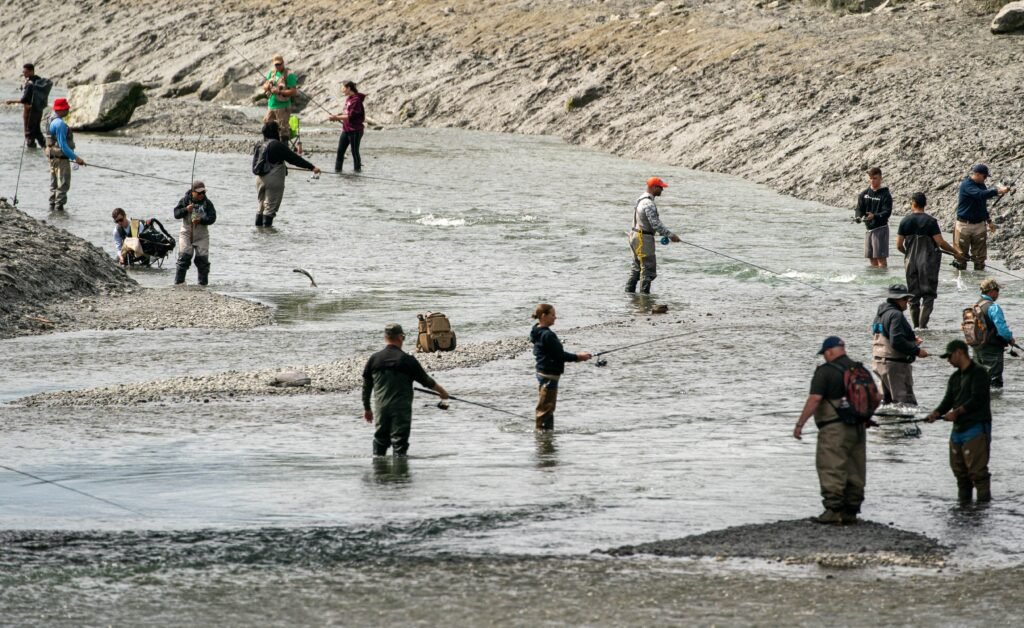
<point x="841" y="456"/>
<point x="196" y="213"/>
<point x="551" y="359"/>
<point x="967" y="404"/>
<point x="268" y="164"/>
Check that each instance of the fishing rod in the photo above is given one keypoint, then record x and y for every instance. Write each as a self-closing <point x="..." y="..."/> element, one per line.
<point x="767" y="270"/>
<point x="473" y="403"/>
<point x="1012" y="185"/>
<point x="17" y="182"/>
<point x="988" y="265"/>
<point x="366" y="176"/>
<point x="600" y="362"/>
<point x="73" y="490"/>
<point x="138" y="174"/>
<point x="256" y="68"/>
<point x="195" y="156"/>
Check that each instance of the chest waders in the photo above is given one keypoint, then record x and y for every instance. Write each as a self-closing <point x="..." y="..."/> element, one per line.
<point x="922" y="265"/>
<point x="641" y="243"/>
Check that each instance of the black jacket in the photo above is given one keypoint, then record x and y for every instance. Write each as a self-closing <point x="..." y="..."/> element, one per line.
<point x="878" y="203"/>
<point x="208" y="214"/>
<point x="548" y="351"/>
<point x="890" y="322"/>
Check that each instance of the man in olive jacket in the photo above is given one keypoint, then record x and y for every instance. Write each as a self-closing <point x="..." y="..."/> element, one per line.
<point x="967" y="405"/>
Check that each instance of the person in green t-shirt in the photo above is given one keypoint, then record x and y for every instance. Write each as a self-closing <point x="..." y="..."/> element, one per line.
<point x="281" y="86"/>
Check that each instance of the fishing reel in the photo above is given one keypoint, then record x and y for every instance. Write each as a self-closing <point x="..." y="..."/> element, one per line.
<point x="664" y="240"/>
<point x="443" y="405"/>
<point x="600" y="362"/>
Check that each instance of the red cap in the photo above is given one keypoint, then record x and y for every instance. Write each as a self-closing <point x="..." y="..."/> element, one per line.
<point x="61" y="104"/>
<point x="656" y="181"/>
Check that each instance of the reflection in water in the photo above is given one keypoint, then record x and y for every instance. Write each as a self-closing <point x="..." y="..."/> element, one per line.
<point x="389" y="470"/>
<point x="547" y="452"/>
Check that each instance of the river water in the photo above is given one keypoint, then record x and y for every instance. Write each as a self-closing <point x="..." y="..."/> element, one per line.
<point x="272" y="511"/>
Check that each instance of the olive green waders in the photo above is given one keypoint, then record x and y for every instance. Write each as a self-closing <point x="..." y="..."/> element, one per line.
<point x="969" y="463"/>
<point x="841" y="464"/>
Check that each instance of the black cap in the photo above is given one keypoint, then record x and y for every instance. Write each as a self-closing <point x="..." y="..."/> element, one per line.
<point x="830" y="343"/>
<point x="980" y="169"/>
<point x="954" y="345"/>
<point x="393" y="330"/>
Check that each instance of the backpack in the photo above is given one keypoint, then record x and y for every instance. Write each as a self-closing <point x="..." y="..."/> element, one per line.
<point x="260" y="165"/>
<point x="862" y="398"/>
<point x="41" y="92"/>
<point x="435" y="333"/>
<point x="974" y="326"/>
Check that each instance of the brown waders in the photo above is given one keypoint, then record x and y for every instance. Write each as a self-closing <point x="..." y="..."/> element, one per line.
<point x="547" y="397"/>
<point x="841" y="463"/>
<point x="969" y="463"/>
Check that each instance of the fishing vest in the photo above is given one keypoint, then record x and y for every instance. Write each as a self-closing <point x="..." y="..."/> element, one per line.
<point x="881" y="348"/>
<point x="53" y="150"/>
<point x="640" y="221"/>
<point x="992" y="336"/>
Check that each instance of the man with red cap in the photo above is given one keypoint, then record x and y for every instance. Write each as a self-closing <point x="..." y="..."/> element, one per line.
<point x="641" y="240"/>
<point x="60" y="150"/>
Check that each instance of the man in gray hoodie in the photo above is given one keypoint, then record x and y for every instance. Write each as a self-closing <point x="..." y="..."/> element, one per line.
<point x="895" y="347"/>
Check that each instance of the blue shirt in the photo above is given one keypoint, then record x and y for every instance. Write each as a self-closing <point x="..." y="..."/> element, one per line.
<point x="995" y="313"/>
<point x="59" y="131"/>
<point x="972" y="204"/>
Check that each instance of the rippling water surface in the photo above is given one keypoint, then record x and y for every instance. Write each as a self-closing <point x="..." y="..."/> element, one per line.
<point x="272" y="509"/>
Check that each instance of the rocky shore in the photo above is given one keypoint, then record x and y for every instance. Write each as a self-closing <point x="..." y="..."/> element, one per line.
<point x="801" y="96"/>
<point x="51" y="280"/>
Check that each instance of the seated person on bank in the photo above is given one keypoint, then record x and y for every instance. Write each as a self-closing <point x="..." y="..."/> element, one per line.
<point x="136" y="240"/>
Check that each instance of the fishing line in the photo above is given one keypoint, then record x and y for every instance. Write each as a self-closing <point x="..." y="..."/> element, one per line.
<point x="736" y="259"/>
<point x="987" y="265"/>
<point x="17" y="182"/>
<point x="138" y="174"/>
<point x="366" y="176"/>
<point x="638" y="344"/>
<point x="73" y="490"/>
<point x="474" y="403"/>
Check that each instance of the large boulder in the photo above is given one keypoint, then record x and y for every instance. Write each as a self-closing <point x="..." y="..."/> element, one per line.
<point x="1010" y="19"/>
<point x="104" y="107"/>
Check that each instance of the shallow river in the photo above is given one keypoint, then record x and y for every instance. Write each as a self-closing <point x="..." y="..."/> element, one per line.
<point x="272" y="510"/>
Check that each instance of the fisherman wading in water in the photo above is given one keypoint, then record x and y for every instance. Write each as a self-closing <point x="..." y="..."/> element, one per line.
<point x="920" y="240"/>
<point x="646" y="223"/>
<point x="551" y="359"/>
<point x="874" y="206"/>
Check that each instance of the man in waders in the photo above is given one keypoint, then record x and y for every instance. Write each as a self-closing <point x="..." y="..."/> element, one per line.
<point x="895" y="347"/>
<point x="840" y="459"/>
<point x="33" y="101"/>
<point x="997" y="333"/>
<point x="60" y="151"/>
<point x="388" y="376"/>
<point x="268" y="164"/>
<point x="920" y="240"/>
<point x="641" y="239"/>
<point x="280" y="86"/>
<point x="967" y="404"/>
<point x="196" y="213"/>
<point x="874" y="206"/>
<point x="972" y="216"/>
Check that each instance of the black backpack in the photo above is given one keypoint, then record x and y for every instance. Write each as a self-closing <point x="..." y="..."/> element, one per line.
<point x="260" y="165"/>
<point x="41" y="92"/>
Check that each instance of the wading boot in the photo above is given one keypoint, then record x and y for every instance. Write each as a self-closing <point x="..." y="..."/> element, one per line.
<point x="634" y="278"/>
<point x="268" y="221"/>
<point x="926" y="313"/>
<point x="984" y="491"/>
<point x="259" y="220"/>
<point x="828" y="517"/>
<point x="645" y="286"/>
<point x="849" y="516"/>
<point x="183" y="264"/>
<point x="915" y="316"/>
<point x="203" y="266"/>
<point x="963" y="492"/>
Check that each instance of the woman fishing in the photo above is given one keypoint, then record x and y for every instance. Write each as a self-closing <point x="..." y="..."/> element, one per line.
<point x="551" y="359"/>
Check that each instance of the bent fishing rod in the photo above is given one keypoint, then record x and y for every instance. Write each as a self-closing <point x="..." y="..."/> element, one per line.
<point x="73" y="490"/>
<point x="298" y="89"/>
<point x="767" y="270"/>
<point x="472" y="403"/>
<point x="599" y="362"/>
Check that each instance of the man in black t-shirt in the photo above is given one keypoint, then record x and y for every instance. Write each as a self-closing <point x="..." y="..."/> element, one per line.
<point x="920" y="240"/>
<point x="33" y="105"/>
<point x="841" y="457"/>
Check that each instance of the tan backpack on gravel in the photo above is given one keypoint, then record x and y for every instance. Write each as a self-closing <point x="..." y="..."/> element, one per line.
<point x="435" y="333"/>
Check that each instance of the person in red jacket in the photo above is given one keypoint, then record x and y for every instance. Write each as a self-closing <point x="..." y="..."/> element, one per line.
<point x="351" y="126"/>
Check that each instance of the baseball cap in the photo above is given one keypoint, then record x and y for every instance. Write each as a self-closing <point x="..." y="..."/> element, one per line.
<point x="392" y="330"/>
<point x="980" y="169"/>
<point x="830" y="343"/>
<point x="198" y="186"/>
<point x="657" y="181"/>
<point x="61" y="104"/>
<point x="953" y="346"/>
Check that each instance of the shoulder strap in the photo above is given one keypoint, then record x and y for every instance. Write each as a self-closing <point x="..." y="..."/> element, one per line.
<point x="135" y="227"/>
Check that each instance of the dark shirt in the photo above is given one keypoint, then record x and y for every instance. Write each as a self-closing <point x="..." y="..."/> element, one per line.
<point x="278" y="151"/>
<point x="891" y="323"/>
<point x="968" y="388"/>
<point x="355" y="112"/>
<point x="877" y="202"/>
<point x="548" y="351"/>
<point x="828" y="381"/>
<point x="919" y="225"/>
<point x="389" y="375"/>
<point x="972" y="204"/>
<point x="207" y="212"/>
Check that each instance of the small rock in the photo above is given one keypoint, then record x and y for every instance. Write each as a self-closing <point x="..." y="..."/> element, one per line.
<point x="289" y="379"/>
